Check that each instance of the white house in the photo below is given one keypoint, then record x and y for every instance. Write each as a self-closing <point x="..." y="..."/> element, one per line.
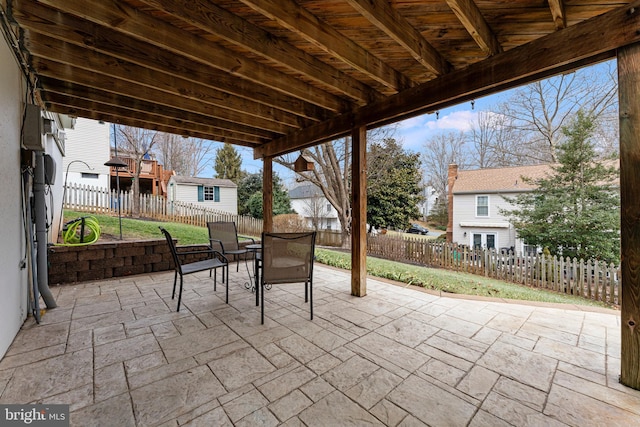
<point x="218" y="194"/>
<point x="87" y="148"/>
<point x="476" y="198"/>
<point x="309" y="202"/>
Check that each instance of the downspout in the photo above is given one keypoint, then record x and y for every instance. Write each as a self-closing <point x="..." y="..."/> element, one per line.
<point x="41" y="231"/>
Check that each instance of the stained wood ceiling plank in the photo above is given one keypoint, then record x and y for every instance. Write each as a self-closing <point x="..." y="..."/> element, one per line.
<point x="575" y="46"/>
<point x="558" y="13"/>
<point x="119" y="16"/>
<point x="148" y="111"/>
<point x="103" y="71"/>
<point x="83" y="77"/>
<point x="297" y="19"/>
<point x="216" y="20"/>
<point x="93" y="111"/>
<point x="386" y="18"/>
<point x="471" y="17"/>
<point x="84" y="33"/>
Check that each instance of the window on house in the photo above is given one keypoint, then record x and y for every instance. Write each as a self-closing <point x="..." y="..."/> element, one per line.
<point x="90" y="175"/>
<point x="484" y="240"/>
<point x="328" y="207"/>
<point x="482" y="206"/>
<point x="208" y="193"/>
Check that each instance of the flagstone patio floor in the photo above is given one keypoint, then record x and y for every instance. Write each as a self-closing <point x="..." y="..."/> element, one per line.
<point x="120" y="355"/>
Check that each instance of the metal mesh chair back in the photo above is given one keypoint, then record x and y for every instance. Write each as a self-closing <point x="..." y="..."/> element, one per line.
<point x="174" y="251"/>
<point x="287" y="257"/>
<point x="224" y="234"/>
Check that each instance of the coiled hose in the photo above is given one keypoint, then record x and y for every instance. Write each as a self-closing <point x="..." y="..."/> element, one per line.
<point x="81" y="231"/>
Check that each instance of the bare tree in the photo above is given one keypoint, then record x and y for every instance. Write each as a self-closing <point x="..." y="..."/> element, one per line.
<point x="494" y="142"/>
<point x="332" y="173"/>
<point x="138" y="143"/>
<point x="441" y="151"/>
<point x="541" y="109"/>
<point x="186" y="156"/>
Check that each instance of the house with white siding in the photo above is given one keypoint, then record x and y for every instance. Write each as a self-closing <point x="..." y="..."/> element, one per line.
<point x="87" y="149"/>
<point x="476" y="198"/>
<point x="213" y="193"/>
<point x="309" y="202"/>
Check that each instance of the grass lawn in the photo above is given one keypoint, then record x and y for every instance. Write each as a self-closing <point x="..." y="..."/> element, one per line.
<point x="430" y="278"/>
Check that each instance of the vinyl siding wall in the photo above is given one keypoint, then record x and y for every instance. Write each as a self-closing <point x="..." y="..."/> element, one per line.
<point x="14" y="285"/>
<point x="89" y="142"/>
<point x="188" y="193"/>
<point x="464" y="211"/>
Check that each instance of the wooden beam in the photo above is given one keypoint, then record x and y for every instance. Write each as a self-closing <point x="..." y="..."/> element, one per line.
<point x="118" y="16"/>
<point x="558" y="14"/>
<point x="150" y="112"/>
<point x="471" y="17"/>
<point x="267" y="194"/>
<point x="359" y="212"/>
<point x="94" y="114"/>
<point x="218" y="21"/>
<point x="302" y="22"/>
<point x="628" y="92"/>
<point x="47" y="21"/>
<point x="110" y="83"/>
<point x="575" y="46"/>
<point x="386" y="18"/>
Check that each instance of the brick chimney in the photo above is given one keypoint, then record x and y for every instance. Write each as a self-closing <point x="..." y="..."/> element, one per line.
<point x="451" y="180"/>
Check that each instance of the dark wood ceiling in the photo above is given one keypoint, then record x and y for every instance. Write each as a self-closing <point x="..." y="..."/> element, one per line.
<point x="279" y="75"/>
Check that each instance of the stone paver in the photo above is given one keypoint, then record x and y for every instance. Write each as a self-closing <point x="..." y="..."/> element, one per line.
<point x="118" y="353"/>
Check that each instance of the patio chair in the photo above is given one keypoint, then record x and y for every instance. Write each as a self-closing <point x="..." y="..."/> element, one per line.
<point x="224" y="234"/>
<point x="287" y="258"/>
<point x="216" y="260"/>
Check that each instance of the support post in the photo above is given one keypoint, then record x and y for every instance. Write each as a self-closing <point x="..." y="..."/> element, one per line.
<point x="267" y="195"/>
<point x="359" y="212"/>
<point x="628" y="93"/>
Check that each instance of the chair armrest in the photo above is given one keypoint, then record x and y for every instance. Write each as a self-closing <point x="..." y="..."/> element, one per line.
<point x="216" y="241"/>
<point x="253" y="241"/>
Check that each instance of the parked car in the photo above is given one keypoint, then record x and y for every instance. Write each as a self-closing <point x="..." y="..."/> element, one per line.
<point x="417" y="229"/>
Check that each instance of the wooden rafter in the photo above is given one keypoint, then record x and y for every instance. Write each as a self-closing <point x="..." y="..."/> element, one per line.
<point x="162" y="35"/>
<point x="471" y="17"/>
<point x="557" y="11"/>
<point x="290" y="15"/>
<point x="46" y="21"/>
<point x="387" y="19"/>
<point x="590" y="41"/>
<point x="215" y="20"/>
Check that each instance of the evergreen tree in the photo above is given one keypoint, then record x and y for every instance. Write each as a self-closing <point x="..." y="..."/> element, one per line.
<point x="393" y="185"/>
<point x="575" y="210"/>
<point x="228" y="163"/>
<point x="250" y="196"/>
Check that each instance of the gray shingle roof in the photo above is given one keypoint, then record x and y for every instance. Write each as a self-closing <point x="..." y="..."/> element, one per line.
<point x="210" y="182"/>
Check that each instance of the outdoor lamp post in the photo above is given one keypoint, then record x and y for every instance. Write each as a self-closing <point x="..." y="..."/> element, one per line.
<point x="117" y="163"/>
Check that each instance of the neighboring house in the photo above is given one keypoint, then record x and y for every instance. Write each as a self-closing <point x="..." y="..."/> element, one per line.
<point x="430" y="200"/>
<point x="218" y="194"/>
<point x="476" y="198"/>
<point x="86" y="151"/>
<point x="153" y="177"/>
<point x="309" y="202"/>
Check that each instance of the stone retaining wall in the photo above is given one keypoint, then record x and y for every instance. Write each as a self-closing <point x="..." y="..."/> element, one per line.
<point x="72" y="264"/>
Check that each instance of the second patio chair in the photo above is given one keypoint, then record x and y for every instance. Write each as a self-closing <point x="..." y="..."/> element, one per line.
<point x="287" y="258"/>
<point x="224" y="235"/>
<point x="213" y="261"/>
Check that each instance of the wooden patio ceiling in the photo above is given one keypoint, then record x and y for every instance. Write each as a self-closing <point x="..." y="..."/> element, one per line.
<point x="280" y="75"/>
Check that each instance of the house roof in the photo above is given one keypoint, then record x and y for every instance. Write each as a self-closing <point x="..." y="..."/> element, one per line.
<point x="304" y="191"/>
<point x="278" y="76"/>
<point x="498" y="179"/>
<point x="211" y="182"/>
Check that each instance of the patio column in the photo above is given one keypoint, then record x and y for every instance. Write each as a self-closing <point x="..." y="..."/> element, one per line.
<point x="628" y="93"/>
<point x="267" y="194"/>
<point x="359" y="212"/>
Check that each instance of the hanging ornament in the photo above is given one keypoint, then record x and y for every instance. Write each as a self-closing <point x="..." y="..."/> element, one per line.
<point x="437" y="114"/>
<point x="473" y="103"/>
